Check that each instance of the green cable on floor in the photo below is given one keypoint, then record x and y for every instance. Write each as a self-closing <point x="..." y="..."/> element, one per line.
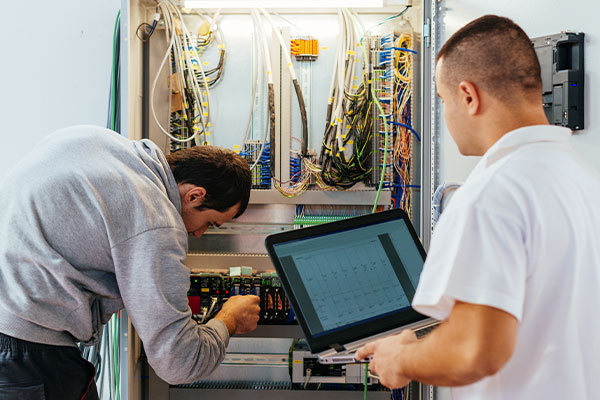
<point x="115" y="354"/>
<point x="366" y="380"/>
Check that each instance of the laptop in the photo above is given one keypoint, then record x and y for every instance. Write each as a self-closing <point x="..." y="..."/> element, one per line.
<point x="351" y="281"/>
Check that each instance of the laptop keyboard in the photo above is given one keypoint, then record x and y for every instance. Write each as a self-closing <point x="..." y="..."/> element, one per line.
<point x="424" y="331"/>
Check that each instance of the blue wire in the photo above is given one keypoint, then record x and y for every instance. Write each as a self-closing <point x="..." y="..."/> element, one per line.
<point x="153" y="25"/>
<point x="389" y="184"/>
<point x="405" y="49"/>
<point x="407" y="127"/>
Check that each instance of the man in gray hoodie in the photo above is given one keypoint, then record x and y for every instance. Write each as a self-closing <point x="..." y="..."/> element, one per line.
<point x="90" y="223"/>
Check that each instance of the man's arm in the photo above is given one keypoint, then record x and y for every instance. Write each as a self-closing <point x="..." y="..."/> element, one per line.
<point x="474" y="342"/>
<point x="153" y="282"/>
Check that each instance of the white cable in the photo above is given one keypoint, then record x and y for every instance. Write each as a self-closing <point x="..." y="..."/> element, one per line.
<point x="168" y="23"/>
<point x="266" y="55"/>
<point x="308" y="375"/>
<point x="254" y="83"/>
<point x="212" y="306"/>
<point x="284" y="46"/>
<point x="175" y="45"/>
<point x="197" y="92"/>
<point x="340" y="82"/>
<point x="268" y="72"/>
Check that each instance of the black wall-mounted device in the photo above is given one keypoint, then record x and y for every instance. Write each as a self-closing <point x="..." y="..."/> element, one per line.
<point x="562" y="62"/>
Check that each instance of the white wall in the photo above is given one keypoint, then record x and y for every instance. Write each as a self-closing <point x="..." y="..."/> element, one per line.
<point x="55" y="69"/>
<point x="537" y="18"/>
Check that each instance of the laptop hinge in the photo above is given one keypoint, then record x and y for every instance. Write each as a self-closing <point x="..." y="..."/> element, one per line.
<point x="337" y="347"/>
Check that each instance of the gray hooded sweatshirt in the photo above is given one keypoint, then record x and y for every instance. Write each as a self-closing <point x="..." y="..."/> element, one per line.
<point x="90" y="222"/>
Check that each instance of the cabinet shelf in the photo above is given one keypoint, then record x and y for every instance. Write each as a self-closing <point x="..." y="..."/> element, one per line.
<point x="275" y="331"/>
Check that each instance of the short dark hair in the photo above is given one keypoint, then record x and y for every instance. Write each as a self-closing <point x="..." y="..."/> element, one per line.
<point x="494" y="53"/>
<point x="224" y="174"/>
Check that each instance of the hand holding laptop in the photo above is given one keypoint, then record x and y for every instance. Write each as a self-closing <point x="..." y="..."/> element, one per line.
<point x="351" y="281"/>
<point x="385" y="354"/>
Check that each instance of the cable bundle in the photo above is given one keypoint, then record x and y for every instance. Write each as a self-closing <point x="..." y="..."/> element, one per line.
<point x="382" y="88"/>
<point x="188" y="82"/>
<point x="302" y="178"/>
<point x="345" y="152"/>
<point x="402" y="121"/>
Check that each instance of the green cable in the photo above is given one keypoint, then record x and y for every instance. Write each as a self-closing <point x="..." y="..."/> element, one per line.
<point x="114" y="74"/>
<point x="385" y="125"/>
<point x="115" y="351"/>
<point x="384" y="149"/>
<point x="366" y="380"/>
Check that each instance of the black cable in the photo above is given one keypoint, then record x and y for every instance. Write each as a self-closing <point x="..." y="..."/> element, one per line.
<point x="304" y="149"/>
<point x="272" y="127"/>
<point x="336" y="171"/>
<point x="146" y="33"/>
<point x="117" y="72"/>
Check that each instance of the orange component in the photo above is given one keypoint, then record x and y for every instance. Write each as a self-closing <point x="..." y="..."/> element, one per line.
<point x="305" y="49"/>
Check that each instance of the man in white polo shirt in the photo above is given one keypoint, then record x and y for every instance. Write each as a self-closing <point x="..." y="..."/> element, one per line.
<point x="513" y="271"/>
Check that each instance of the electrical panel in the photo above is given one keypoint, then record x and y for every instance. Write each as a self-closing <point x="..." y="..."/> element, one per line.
<point x="326" y="108"/>
<point x="209" y="291"/>
<point x="306" y="369"/>
<point x="561" y="59"/>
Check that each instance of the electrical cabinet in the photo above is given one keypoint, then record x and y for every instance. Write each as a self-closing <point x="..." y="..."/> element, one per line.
<point x="293" y="127"/>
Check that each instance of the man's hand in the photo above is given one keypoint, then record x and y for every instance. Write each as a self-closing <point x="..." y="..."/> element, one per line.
<point x="474" y="342"/>
<point x="384" y="358"/>
<point x="240" y="314"/>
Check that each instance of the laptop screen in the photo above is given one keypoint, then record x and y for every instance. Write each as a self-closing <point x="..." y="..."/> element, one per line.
<point x="356" y="273"/>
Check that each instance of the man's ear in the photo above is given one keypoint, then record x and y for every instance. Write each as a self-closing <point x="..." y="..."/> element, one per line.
<point x="195" y="196"/>
<point x="469" y="97"/>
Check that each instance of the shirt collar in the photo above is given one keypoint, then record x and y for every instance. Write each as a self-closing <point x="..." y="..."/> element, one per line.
<point x="517" y="138"/>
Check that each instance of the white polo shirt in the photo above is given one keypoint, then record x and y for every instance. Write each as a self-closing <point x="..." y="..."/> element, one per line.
<point x="523" y="235"/>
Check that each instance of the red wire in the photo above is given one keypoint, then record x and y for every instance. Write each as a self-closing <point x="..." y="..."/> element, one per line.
<point x="89" y="384"/>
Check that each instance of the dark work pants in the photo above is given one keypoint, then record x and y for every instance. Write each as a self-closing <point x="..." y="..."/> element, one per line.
<point x="33" y="371"/>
